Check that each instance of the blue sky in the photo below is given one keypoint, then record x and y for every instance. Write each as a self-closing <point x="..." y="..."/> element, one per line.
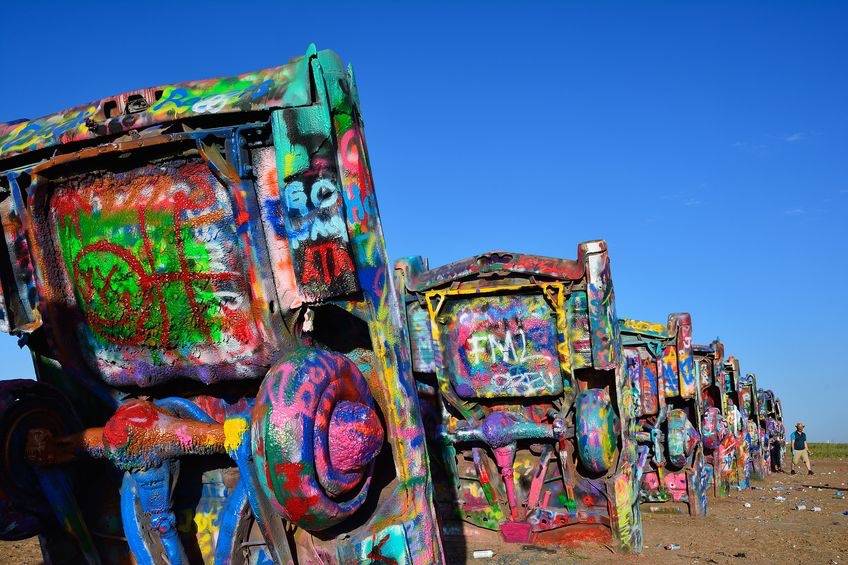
<point x="705" y="142"/>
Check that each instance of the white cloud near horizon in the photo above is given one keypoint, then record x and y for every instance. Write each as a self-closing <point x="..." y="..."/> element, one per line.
<point x="793" y="137"/>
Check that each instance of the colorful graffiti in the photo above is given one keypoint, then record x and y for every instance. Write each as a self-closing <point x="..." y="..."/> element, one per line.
<point x="315" y="435"/>
<point x="668" y="425"/>
<point x="749" y="404"/>
<point x="737" y="424"/>
<point x="507" y="358"/>
<point x="244" y="252"/>
<point x="20" y="305"/>
<point x="200" y="272"/>
<point x="726" y="441"/>
<point x="309" y="210"/>
<point x="502" y="346"/>
<point x="772" y="429"/>
<point x="287" y="85"/>
<point x="151" y="257"/>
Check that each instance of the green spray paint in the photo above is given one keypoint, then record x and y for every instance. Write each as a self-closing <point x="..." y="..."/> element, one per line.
<point x="127" y="305"/>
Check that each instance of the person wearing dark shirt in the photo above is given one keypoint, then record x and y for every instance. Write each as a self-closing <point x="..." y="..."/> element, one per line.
<point x="800" y="452"/>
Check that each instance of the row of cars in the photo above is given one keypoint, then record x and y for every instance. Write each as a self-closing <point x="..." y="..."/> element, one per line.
<point x="544" y="410"/>
<point x="230" y="370"/>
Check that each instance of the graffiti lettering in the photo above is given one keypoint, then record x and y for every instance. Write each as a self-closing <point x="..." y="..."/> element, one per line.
<point x="704" y="370"/>
<point x="323" y="262"/>
<point x="213" y="98"/>
<point x="314" y="225"/>
<point x="321" y="229"/>
<point x="296" y="198"/>
<point x="211" y="105"/>
<point x="323" y="194"/>
<point x="506" y="347"/>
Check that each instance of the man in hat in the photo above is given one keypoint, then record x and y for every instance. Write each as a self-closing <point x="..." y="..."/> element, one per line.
<point x="798" y="442"/>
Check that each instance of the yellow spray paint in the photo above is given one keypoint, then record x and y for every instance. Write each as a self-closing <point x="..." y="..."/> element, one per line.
<point x="234" y="429"/>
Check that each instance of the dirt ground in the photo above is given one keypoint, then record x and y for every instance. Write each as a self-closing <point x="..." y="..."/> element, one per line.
<point x="26" y="552"/>
<point x="769" y="531"/>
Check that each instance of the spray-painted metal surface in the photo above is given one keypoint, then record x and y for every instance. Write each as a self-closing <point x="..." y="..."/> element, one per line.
<point x="772" y="429"/>
<point x="721" y="420"/>
<point x="737" y="420"/>
<point x="667" y="400"/>
<point x="526" y="400"/>
<point x="755" y="429"/>
<point x="200" y="272"/>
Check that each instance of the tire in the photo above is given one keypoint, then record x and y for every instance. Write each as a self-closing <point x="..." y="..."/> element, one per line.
<point x="315" y="437"/>
<point x="25" y="405"/>
<point x="596" y="423"/>
<point x="682" y="438"/>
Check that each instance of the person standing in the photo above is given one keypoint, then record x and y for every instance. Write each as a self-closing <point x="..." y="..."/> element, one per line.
<point x="800" y="452"/>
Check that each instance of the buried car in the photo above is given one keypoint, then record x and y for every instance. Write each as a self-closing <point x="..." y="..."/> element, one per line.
<point x="667" y="401"/>
<point x="223" y="377"/>
<point x="758" y="452"/>
<point x="526" y="401"/>
<point x="720" y="422"/>
<point x="737" y="422"/>
<point x="771" y="422"/>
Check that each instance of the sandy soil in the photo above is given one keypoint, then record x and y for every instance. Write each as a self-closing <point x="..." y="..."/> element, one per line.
<point x="769" y="531"/>
<point x="26" y="552"/>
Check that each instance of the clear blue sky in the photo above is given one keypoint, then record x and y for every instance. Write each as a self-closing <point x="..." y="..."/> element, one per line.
<point x="705" y="142"/>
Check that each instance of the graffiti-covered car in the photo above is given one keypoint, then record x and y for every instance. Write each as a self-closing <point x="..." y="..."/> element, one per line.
<point x="527" y="407"/>
<point x="771" y="421"/>
<point x="667" y="402"/>
<point x="755" y="430"/>
<point x="720" y="424"/>
<point x="737" y="422"/>
<point x="200" y="273"/>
